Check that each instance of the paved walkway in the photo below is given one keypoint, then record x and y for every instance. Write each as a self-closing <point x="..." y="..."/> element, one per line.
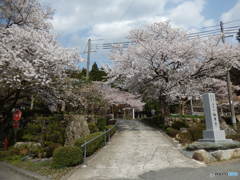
<point x="136" y="149"/>
<point x="8" y="174"/>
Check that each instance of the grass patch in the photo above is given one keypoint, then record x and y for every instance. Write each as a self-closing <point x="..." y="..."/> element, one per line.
<point x="40" y="167"/>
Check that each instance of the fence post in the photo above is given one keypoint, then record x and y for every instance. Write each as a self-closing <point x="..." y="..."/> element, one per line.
<point x="109" y="135"/>
<point x="85" y="152"/>
<point x="105" y="137"/>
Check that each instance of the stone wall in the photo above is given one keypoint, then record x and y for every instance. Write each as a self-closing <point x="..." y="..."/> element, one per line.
<point x="77" y="127"/>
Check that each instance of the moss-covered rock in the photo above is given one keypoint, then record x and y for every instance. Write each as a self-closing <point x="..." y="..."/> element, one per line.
<point x="77" y="128"/>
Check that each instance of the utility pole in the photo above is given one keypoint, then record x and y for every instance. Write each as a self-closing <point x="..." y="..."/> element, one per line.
<point x="229" y="86"/>
<point x="88" y="57"/>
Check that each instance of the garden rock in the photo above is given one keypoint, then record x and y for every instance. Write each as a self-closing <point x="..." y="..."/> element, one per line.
<point x="213" y="146"/>
<point x="28" y="144"/>
<point x="77" y="128"/>
<point x="221" y="155"/>
<point x="202" y="155"/>
<point x="236" y="153"/>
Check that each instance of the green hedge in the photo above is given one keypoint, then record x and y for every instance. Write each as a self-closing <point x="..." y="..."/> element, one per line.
<point x="101" y="123"/>
<point x="67" y="156"/>
<point x="93" y="146"/>
<point x="93" y="127"/>
<point x="155" y="121"/>
<point x="187" y="116"/>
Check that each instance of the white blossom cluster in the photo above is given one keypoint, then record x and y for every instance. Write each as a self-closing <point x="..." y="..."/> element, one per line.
<point x="165" y="62"/>
<point x="115" y="96"/>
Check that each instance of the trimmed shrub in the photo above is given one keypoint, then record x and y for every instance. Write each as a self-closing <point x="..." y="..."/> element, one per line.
<point x="196" y="131"/>
<point x="172" y="132"/>
<point x="50" y="147"/>
<point x="155" y="121"/>
<point x="29" y="149"/>
<point x="101" y="123"/>
<point x="93" y="146"/>
<point x="93" y="127"/>
<point x="67" y="156"/>
<point x="179" y="124"/>
<point x="46" y="128"/>
<point x="184" y="138"/>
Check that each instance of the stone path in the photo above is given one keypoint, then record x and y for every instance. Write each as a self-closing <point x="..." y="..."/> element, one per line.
<point x="136" y="149"/>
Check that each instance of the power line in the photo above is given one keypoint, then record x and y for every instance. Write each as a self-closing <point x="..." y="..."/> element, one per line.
<point x="229" y="30"/>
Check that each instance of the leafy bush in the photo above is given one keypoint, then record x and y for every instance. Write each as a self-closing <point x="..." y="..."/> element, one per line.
<point x="25" y="149"/>
<point x="46" y="128"/>
<point x="155" y="121"/>
<point x="101" y="123"/>
<point x="67" y="156"/>
<point x="179" y="124"/>
<point x="93" y="146"/>
<point x="93" y="127"/>
<point x="184" y="138"/>
<point x="172" y="132"/>
<point x="50" y="147"/>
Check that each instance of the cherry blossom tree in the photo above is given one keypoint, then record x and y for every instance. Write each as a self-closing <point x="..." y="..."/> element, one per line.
<point x="115" y="96"/>
<point x="32" y="63"/>
<point x="167" y="66"/>
<point x="156" y="65"/>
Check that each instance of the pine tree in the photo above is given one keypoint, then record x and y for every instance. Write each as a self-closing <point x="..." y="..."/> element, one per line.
<point x="97" y="74"/>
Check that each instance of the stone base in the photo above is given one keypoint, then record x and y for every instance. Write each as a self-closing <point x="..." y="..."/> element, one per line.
<point x="216" y="141"/>
<point x="214" y="136"/>
<point x="208" y="145"/>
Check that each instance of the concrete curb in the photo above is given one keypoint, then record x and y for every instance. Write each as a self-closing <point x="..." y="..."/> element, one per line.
<point x="24" y="172"/>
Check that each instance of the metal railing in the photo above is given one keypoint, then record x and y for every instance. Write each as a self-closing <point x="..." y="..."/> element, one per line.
<point x="107" y="137"/>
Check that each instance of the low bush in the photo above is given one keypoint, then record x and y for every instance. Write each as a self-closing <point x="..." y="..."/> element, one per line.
<point x="92" y="127"/>
<point x="155" y="121"/>
<point x="67" y="156"/>
<point x="50" y="147"/>
<point x="184" y="138"/>
<point x="45" y="128"/>
<point x="179" y="124"/>
<point x="101" y="123"/>
<point x="172" y="132"/>
<point x="196" y="131"/>
<point x="28" y="149"/>
<point x="94" y="145"/>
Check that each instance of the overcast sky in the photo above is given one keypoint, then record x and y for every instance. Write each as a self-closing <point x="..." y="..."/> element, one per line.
<point x="77" y="20"/>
